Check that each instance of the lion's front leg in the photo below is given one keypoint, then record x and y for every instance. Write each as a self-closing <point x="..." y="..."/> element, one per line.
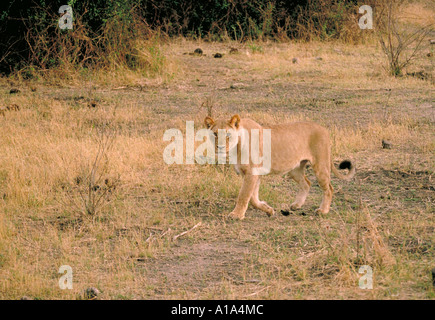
<point x="248" y="186"/>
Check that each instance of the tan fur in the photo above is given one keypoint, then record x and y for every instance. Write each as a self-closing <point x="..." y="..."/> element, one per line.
<point x="293" y="145"/>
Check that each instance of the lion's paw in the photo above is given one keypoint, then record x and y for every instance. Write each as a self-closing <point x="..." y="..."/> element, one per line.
<point x="320" y="211"/>
<point x="295" y="206"/>
<point x="270" y="212"/>
<point x="235" y="215"/>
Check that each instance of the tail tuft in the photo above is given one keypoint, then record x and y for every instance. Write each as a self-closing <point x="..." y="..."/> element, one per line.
<point x="346" y="164"/>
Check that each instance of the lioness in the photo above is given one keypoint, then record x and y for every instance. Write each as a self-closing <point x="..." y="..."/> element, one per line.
<point x="293" y="145"/>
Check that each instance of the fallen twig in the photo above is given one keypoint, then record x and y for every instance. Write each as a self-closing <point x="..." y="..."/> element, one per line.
<point x="185" y="232"/>
<point x="169" y="230"/>
<point x="257" y="292"/>
<point x="149" y="238"/>
<point x="161" y="235"/>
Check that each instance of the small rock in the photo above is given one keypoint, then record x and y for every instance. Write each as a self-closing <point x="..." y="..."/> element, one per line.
<point x="25" y="298"/>
<point x="14" y="90"/>
<point x="218" y="55"/>
<point x="198" y="52"/>
<point x="432" y="41"/>
<point x="91" y="293"/>
<point x="319" y="58"/>
<point x="234" y="51"/>
<point x="386" y="144"/>
<point x="92" y="104"/>
<point x="430" y="54"/>
<point x="285" y="212"/>
<point x="295" y="60"/>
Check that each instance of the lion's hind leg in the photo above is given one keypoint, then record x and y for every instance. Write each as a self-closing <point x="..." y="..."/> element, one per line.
<point x="298" y="175"/>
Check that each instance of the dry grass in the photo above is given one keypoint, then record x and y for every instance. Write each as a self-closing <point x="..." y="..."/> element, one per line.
<point x="126" y="248"/>
<point x="418" y="12"/>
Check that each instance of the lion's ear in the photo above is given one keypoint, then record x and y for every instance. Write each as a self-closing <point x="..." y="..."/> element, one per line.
<point x="235" y="121"/>
<point x="208" y="121"/>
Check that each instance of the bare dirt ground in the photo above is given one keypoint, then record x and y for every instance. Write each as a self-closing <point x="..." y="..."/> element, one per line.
<point x="384" y="218"/>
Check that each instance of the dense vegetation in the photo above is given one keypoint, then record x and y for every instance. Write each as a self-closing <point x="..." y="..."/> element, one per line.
<point x="34" y="39"/>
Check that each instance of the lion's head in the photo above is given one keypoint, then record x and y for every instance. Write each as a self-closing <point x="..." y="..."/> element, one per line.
<point x="223" y="133"/>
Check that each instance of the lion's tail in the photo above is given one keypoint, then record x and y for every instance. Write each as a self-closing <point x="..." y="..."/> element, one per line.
<point x="345" y="164"/>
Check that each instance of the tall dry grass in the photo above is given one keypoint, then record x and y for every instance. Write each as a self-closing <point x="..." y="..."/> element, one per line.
<point x="123" y="51"/>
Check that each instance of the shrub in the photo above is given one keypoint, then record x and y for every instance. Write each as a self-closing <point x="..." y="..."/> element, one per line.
<point x="401" y="44"/>
<point x="103" y="35"/>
